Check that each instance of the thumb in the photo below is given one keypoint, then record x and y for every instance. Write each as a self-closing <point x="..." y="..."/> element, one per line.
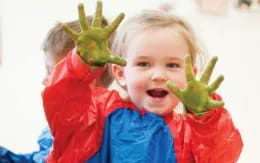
<point x="174" y="88"/>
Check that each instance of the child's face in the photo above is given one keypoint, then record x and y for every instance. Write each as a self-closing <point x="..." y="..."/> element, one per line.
<point x="153" y="57"/>
<point x="50" y="60"/>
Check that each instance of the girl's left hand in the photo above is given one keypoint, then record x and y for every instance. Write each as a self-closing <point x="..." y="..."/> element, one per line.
<point x="197" y="95"/>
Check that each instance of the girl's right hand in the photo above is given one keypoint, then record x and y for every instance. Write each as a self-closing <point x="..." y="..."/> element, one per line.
<point x="197" y="95"/>
<point x="92" y="41"/>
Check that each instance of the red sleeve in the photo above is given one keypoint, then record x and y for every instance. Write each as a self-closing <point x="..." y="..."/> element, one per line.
<point x="210" y="138"/>
<point x="73" y="111"/>
<point x="216" y="139"/>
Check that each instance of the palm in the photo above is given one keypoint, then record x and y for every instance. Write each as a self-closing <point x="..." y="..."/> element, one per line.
<point x="197" y="95"/>
<point x="92" y="41"/>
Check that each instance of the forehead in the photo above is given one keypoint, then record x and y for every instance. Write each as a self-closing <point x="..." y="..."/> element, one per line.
<point x="157" y="42"/>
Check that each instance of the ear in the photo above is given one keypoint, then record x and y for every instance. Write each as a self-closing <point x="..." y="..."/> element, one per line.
<point x="118" y="73"/>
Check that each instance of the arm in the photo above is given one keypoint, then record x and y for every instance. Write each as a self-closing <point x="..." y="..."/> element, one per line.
<point x="68" y="103"/>
<point x="8" y="156"/>
<point x="214" y="137"/>
<point x="70" y="99"/>
<point x="208" y="127"/>
<point x="45" y="143"/>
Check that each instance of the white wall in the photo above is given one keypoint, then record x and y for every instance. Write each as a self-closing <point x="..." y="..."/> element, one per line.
<point x="234" y="38"/>
<point x="24" y="26"/>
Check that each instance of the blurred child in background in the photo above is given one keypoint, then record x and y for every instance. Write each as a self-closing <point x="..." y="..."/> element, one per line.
<point x="56" y="46"/>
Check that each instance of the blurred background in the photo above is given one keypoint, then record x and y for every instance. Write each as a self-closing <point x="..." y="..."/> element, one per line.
<point x="229" y="29"/>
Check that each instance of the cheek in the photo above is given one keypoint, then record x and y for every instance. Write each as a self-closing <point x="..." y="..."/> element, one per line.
<point x="135" y="80"/>
<point x="179" y="78"/>
<point x="136" y="83"/>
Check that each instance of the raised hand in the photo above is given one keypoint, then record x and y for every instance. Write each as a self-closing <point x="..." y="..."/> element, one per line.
<point x="92" y="41"/>
<point x="197" y="95"/>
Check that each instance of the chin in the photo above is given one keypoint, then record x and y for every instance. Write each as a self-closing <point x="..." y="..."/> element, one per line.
<point x="159" y="112"/>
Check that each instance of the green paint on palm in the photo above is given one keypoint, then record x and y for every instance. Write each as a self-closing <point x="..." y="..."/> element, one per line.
<point x="92" y="41"/>
<point x="197" y="95"/>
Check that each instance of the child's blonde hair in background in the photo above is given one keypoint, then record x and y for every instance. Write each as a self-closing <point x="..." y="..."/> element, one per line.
<point x="59" y="43"/>
<point x="148" y="20"/>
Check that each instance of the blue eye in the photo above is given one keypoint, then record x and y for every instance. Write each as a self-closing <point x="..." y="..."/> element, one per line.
<point x="143" y="64"/>
<point x="173" y="65"/>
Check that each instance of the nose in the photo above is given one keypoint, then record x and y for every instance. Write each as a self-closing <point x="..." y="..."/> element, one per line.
<point x="158" y="75"/>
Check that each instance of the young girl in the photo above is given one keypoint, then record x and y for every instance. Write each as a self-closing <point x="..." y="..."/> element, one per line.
<point x="92" y="124"/>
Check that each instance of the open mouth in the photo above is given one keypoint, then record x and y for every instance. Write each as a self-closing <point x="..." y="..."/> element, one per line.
<point x="157" y="93"/>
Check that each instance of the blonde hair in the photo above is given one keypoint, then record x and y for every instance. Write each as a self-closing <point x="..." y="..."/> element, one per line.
<point x="59" y="43"/>
<point x="150" y="19"/>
